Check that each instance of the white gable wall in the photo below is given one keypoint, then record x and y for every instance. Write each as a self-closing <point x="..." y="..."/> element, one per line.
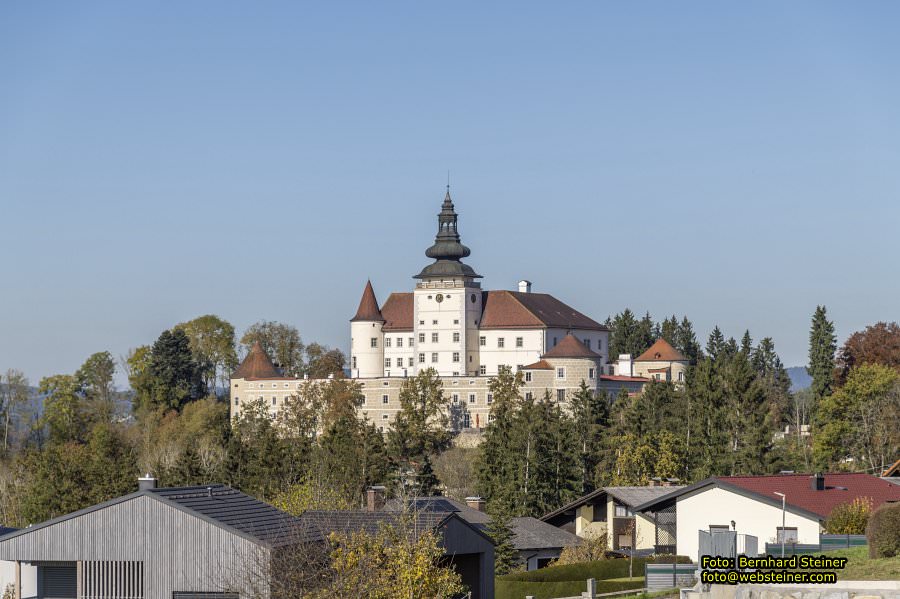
<point x="713" y="505"/>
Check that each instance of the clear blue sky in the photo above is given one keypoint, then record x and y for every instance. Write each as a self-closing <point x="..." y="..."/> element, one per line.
<point x="737" y="163"/>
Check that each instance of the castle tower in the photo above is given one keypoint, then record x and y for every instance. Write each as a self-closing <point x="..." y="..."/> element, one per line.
<point x="366" y="337"/>
<point x="447" y="303"/>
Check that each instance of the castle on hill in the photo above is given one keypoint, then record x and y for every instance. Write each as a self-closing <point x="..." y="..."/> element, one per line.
<point x="467" y="334"/>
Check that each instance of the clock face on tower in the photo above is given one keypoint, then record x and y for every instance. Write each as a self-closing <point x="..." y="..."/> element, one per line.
<point x="439" y="297"/>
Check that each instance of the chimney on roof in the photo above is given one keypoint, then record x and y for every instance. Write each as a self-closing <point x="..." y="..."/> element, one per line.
<point x="375" y="498"/>
<point x="817" y="482"/>
<point x="656" y="482"/>
<point x="476" y="503"/>
<point x="524" y="286"/>
<point x="146" y="482"/>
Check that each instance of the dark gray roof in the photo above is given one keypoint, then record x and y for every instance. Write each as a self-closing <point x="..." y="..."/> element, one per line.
<point x="531" y="533"/>
<point x="318" y="524"/>
<point x="233" y="509"/>
<point x="634" y="496"/>
<point x="528" y="533"/>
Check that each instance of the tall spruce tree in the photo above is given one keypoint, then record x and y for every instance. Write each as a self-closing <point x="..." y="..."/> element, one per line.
<point x="174" y="373"/>
<point x="590" y="413"/>
<point x="822" y="349"/>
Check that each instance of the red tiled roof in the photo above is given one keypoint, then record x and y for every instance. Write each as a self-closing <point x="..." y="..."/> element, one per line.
<point x="570" y="347"/>
<point x="398" y="312"/>
<point x="539" y="365"/>
<point x="516" y="310"/>
<point x="839" y="488"/>
<point x="256" y="365"/>
<point x="618" y="377"/>
<point x="661" y="351"/>
<point x="368" y="306"/>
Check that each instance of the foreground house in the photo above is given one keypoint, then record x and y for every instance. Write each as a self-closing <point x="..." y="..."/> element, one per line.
<point x="209" y="542"/>
<point x="610" y="511"/>
<point x="752" y="505"/>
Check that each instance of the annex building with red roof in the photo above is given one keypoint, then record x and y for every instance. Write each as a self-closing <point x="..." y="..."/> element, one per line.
<point x="752" y="505"/>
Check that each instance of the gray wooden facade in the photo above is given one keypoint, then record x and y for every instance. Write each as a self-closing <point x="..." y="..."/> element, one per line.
<point x="177" y="551"/>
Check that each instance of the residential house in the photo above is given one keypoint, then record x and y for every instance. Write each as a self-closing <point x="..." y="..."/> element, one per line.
<point x="752" y="505"/>
<point x="610" y="511"/>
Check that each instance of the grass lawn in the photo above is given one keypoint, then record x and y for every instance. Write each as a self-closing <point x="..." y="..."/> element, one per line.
<point x="518" y="589"/>
<point x="861" y="567"/>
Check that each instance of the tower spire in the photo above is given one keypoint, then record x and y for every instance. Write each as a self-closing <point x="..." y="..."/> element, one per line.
<point x="447" y="249"/>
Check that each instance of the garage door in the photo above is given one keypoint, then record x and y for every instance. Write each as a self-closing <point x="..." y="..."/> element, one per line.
<point x="58" y="582"/>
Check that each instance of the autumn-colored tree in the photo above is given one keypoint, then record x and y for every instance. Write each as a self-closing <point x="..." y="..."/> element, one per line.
<point x="877" y="344"/>
<point x="212" y="345"/>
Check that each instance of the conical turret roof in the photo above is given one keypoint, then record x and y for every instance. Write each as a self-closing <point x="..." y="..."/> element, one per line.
<point x="570" y="347"/>
<point x="368" y="306"/>
<point x="256" y="365"/>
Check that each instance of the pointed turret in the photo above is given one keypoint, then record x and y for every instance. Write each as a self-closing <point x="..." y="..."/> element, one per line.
<point x="368" y="306"/>
<point x="257" y="365"/>
<point x="447" y="250"/>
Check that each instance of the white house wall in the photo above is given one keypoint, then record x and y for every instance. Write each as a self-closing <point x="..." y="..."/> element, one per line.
<point x="717" y="506"/>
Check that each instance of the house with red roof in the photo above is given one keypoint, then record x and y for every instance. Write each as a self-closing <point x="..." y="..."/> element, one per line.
<point x="752" y="505"/>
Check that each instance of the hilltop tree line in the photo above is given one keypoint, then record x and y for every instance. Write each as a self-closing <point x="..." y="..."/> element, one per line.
<point x="729" y="417"/>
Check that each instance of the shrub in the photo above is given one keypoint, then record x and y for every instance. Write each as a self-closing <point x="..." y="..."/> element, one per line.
<point x="883" y="531"/>
<point x="850" y="518"/>
<point x="589" y="550"/>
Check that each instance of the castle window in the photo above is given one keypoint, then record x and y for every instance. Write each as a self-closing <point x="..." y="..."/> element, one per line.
<point x="384" y="399"/>
<point x="560" y="373"/>
<point x="421" y="337"/>
<point x="399" y="341"/>
<point x="456" y="356"/>
<point x="590" y="373"/>
<point x="455" y="337"/>
<point x="554" y="341"/>
<point x="520" y="342"/>
<point x="455" y="320"/>
<point x="527" y="377"/>
<point x="387" y="362"/>
<point x="560" y="395"/>
<point x="482" y="341"/>
<point x="410" y="362"/>
<point x="354" y="362"/>
<point x="490" y="397"/>
<point x="399" y="362"/>
<point x="434" y="322"/>
<point x="384" y="416"/>
<point x="471" y="398"/>
<point x="501" y="342"/>
<point x="529" y="395"/>
<point x="456" y="398"/>
<point x="237" y="401"/>
<point x="434" y="337"/>
<point x="421" y="322"/>
<point x="680" y="376"/>
<point x="482" y="369"/>
<point x="412" y="341"/>
<point x="387" y="341"/>
<point x="455" y="373"/>
<point x="421" y="358"/>
<point x="434" y="357"/>
<point x="467" y="420"/>
<point x="274" y="401"/>
<point x="374" y="342"/>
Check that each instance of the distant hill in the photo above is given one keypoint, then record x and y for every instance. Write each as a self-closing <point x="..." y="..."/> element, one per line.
<point x="799" y="378"/>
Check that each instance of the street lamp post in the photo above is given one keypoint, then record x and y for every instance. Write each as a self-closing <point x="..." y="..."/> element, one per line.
<point x="783" y="531"/>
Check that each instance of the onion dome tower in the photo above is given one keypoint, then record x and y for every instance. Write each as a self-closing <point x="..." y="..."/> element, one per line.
<point x="447" y="251"/>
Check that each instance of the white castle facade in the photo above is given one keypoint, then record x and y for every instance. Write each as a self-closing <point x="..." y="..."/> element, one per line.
<point x="466" y="334"/>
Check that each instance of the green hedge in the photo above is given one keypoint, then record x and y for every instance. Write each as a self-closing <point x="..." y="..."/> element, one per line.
<point x="601" y="570"/>
<point x="883" y="531"/>
<point x="518" y="589"/>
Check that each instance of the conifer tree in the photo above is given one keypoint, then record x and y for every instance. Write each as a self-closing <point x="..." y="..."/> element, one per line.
<point x="716" y="344"/>
<point x="590" y="413"/>
<point x="822" y="348"/>
<point x="686" y="341"/>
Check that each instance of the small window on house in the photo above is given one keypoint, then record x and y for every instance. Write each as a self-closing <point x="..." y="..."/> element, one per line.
<point x="455" y="337"/>
<point x="500" y="342"/>
<point x="520" y="342"/>
<point x="455" y="320"/>
<point x="412" y="341"/>
<point x="374" y="342"/>
<point x="482" y="341"/>
<point x="399" y="341"/>
<point x="490" y="417"/>
<point x="590" y="373"/>
<point x="456" y="398"/>
<point x="599" y="344"/>
<point x="467" y="421"/>
<point x="237" y="401"/>
<point x="456" y="356"/>
<point x="410" y="362"/>
<point x="421" y="358"/>
<point x="387" y="341"/>
<point x="529" y="395"/>
<point x="354" y="362"/>
<point x="421" y="322"/>
<point x="587" y="343"/>
<point x="622" y="511"/>
<point x="434" y="358"/>
<point x="421" y="337"/>
<point x="560" y="373"/>
<point x="399" y="362"/>
<point x="434" y="337"/>
<point x="490" y="397"/>
<point x="554" y="342"/>
<point x="434" y="322"/>
<point x="560" y="395"/>
<point x="387" y="362"/>
<point x="384" y="416"/>
<point x="482" y="369"/>
<point x="680" y="376"/>
<point x="274" y="401"/>
<point x="384" y="399"/>
<point x="528" y="377"/>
